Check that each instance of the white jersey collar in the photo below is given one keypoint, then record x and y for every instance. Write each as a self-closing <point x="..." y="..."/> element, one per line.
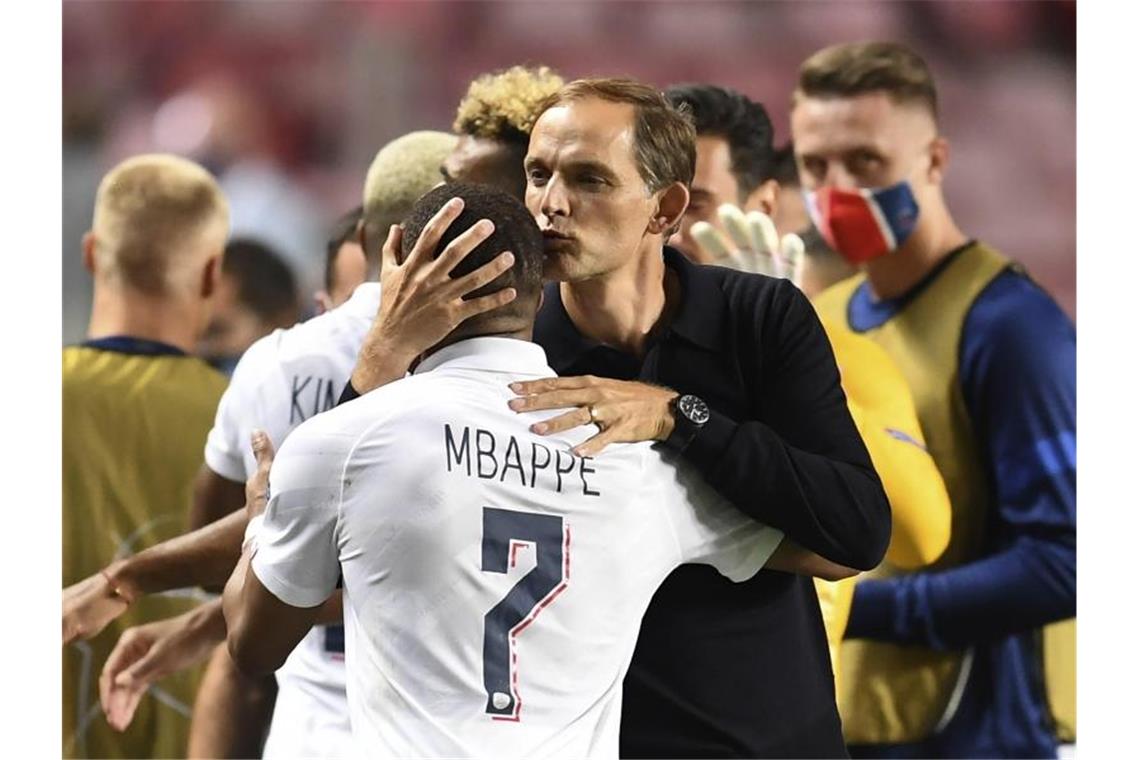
<point x="490" y="353"/>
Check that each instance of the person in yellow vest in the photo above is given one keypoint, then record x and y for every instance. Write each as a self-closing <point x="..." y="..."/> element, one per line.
<point x="961" y="659"/>
<point x="737" y="164"/>
<point x="136" y="411"/>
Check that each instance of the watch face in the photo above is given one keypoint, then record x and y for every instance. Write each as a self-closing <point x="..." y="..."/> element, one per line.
<point x="696" y="410"/>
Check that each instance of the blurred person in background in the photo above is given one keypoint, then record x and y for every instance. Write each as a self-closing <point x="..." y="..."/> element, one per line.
<point x="345" y="266"/>
<point x="790" y="214"/>
<point x="877" y="395"/>
<point x="225" y="124"/>
<point x="958" y="660"/>
<point x="822" y="267"/>
<point x="154" y="251"/>
<point x="257" y="294"/>
<point x="493" y="122"/>
<point x="735" y="159"/>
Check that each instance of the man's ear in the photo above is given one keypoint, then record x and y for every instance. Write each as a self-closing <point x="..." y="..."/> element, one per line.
<point x="322" y="301"/>
<point x="939" y="160"/>
<point x="765" y="198"/>
<point x="210" y="275"/>
<point x="89" y="252"/>
<point x="671" y="205"/>
<point x="361" y="238"/>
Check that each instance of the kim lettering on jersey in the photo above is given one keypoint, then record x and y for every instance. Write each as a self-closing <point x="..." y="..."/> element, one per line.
<point x="310" y="398"/>
<point x="482" y="454"/>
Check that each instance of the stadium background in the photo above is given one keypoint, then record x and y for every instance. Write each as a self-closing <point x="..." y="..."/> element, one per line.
<point x="289" y="101"/>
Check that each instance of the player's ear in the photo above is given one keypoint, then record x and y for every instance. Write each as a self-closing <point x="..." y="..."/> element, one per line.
<point x="939" y="160"/>
<point x="210" y="274"/>
<point x="89" y="252"/>
<point x="360" y="236"/>
<point x="671" y="205"/>
<point x="764" y="198"/>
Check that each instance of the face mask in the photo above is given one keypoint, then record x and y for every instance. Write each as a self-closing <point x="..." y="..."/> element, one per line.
<point x="861" y="224"/>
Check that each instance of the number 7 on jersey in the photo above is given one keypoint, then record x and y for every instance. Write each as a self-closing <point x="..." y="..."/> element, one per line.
<point x="504" y="531"/>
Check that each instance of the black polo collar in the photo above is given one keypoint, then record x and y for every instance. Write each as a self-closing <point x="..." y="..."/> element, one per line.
<point x="699" y="321"/>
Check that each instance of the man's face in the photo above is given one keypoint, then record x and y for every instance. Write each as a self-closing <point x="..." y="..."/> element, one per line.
<point x="348" y="271"/>
<point x="584" y="189"/>
<point x="483" y="161"/>
<point x="713" y="184"/>
<point x="233" y="326"/>
<point x="864" y="141"/>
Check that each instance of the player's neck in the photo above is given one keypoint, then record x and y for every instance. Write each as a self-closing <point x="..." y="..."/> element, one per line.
<point x="168" y="321"/>
<point x="622" y="308"/>
<point x="896" y="273"/>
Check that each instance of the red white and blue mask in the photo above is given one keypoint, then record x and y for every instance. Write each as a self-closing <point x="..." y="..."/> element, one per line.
<point x="862" y="224"/>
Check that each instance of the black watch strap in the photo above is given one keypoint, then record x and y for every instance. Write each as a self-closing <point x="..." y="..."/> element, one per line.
<point x="690" y="414"/>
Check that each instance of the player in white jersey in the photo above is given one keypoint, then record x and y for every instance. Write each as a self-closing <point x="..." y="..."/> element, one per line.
<point x="494" y="582"/>
<point x="282" y="380"/>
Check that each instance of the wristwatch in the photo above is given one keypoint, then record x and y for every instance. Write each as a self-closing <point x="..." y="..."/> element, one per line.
<point x="690" y="413"/>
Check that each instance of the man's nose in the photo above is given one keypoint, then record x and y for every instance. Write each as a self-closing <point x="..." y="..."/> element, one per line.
<point x="555" y="201"/>
<point x="838" y="176"/>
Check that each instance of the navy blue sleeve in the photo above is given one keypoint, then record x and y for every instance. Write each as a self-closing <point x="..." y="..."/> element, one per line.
<point x="1018" y="377"/>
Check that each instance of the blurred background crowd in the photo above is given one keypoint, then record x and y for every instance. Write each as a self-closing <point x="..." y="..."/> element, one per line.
<point x="288" y="102"/>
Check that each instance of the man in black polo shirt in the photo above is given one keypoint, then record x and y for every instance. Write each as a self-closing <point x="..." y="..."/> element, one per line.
<point x="731" y="369"/>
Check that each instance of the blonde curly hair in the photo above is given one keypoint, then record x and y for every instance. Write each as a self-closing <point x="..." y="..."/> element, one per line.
<point x="505" y="105"/>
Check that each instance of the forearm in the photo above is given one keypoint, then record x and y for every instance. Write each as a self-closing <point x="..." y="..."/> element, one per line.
<point x="204" y="557"/>
<point x="835" y="508"/>
<point x="379" y="363"/>
<point x="1028" y="585"/>
<point x="231" y="711"/>
<point x="233" y="604"/>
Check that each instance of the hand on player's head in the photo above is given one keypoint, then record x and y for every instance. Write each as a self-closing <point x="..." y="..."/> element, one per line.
<point x="750" y="243"/>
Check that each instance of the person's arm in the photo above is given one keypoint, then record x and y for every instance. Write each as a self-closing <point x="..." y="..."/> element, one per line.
<point x="149" y="652"/>
<point x="215" y="496"/>
<point x="271" y="603"/>
<point x="232" y="711"/>
<point x="883" y="409"/>
<point x="1019" y="381"/>
<point x="790" y="557"/>
<point x="709" y="530"/>
<point x="204" y="557"/>
<point x="805" y="471"/>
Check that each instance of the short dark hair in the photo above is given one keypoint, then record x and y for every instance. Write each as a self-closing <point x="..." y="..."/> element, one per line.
<point x="784" y="169"/>
<point x="664" y="140"/>
<point x="343" y="231"/>
<point x="858" y="68"/>
<point x="265" y="283"/>
<point x="515" y="231"/>
<point x="741" y="121"/>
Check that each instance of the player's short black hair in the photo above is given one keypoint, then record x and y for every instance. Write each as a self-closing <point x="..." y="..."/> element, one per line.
<point x="343" y="231"/>
<point x="784" y="168"/>
<point x="741" y="121"/>
<point x="265" y="283"/>
<point x="515" y="231"/>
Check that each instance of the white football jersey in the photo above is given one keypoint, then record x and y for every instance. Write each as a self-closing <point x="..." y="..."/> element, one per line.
<point x="494" y="583"/>
<point x="282" y="380"/>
